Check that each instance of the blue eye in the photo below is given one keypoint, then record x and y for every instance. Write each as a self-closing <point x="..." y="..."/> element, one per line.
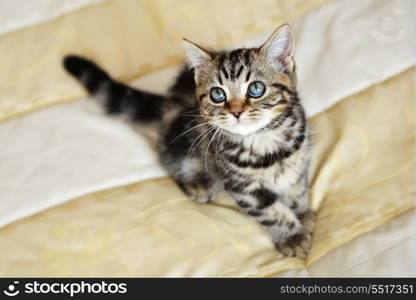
<point x="256" y="89"/>
<point x="218" y="95"/>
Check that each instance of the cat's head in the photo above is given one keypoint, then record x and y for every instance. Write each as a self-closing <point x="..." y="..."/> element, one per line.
<point x="245" y="90"/>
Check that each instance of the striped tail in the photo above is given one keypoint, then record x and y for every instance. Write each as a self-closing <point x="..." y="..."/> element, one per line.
<point x="115" y="97"/>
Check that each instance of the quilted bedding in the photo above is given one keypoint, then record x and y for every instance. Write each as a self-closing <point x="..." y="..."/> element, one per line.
<point x="82" y="195"/>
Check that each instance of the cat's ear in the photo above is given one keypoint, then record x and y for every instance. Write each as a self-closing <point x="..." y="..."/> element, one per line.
<point x="198" y="59"/>
<point x="279" y="49"/>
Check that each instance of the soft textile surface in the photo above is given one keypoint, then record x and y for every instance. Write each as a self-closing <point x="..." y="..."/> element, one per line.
<point x="363" y="170"/>
<point x="22" y="13"/>
<point x="70" y="150"/>
<point x="134" y="230"/>
<point x="132" y="38"/>
<point x="129" y="37"/>
<point x="387" y="251"/>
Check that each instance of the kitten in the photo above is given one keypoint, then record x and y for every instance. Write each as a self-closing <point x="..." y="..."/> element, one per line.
<point x="234" y="120"/>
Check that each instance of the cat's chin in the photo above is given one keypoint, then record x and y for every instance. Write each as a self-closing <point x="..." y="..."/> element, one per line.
<point x="242" y="130"/>
<point x="246" y="127"/>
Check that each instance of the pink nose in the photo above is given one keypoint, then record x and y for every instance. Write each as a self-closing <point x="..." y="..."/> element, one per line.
<point x="237" y="113"/>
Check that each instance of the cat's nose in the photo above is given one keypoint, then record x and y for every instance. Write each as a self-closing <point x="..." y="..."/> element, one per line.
<point x="237" y="113"/>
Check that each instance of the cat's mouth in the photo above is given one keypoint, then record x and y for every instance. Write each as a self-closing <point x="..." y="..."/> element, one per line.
<point x="245" y="126"/>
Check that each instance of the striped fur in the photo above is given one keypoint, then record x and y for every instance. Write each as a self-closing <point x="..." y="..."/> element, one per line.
<point x="260" y="156"/>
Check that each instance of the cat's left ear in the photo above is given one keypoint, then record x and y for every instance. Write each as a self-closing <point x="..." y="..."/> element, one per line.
<point x="279" y="49"/>
<point x="198" y="59"/>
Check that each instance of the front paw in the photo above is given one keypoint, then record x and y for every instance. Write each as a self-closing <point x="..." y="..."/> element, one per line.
<point x="298" y="245"/>
<point x="308" y="221"/>
<point x="199" y="194"/>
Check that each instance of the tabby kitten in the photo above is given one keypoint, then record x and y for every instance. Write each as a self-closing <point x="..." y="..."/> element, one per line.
<point x="234" y="120"/>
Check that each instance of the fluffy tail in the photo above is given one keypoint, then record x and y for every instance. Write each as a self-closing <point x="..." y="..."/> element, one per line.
<point x="115" y="97"/>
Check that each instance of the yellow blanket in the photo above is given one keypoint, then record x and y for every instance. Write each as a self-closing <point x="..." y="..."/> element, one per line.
<point x="363" y="175"/>
<point x="129" y="37"/>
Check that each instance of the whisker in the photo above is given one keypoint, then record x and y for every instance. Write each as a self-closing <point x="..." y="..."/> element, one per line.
<point x="200" y="138"/>
<point x="183" y="133"/>
<point x="206" y="152"/>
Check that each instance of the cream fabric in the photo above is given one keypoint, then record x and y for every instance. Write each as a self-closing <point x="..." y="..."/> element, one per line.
<point x="93" y="152"/>
<point x="67" y="151"/>
<point x="129" y="37"/>
<point x="387" y="251"/>
<point x="332" y="61"/>
<point x="154" y="32"/>
<point x="362" y="177"/>
<point x="134" y="230"/>
<point x="17" y="14"/>
<point x="379" y="38"/>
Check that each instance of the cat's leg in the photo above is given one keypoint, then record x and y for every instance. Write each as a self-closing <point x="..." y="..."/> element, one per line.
<point x="298" y="201"/>
<point x="186" y="159"/>
<point x="282" y="224"/>
<point x="194" y="180"/>
<point x="296" y="198"/>
<point x="200" y="187"/>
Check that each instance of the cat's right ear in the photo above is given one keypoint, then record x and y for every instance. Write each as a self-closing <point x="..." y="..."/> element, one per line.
<point x="279" y="49"/>
<point x="198" y="59"/>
